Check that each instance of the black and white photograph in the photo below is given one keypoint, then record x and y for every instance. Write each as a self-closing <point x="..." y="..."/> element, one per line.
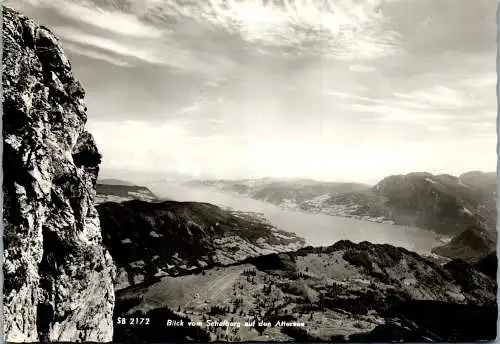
<point x="249" y="171"/>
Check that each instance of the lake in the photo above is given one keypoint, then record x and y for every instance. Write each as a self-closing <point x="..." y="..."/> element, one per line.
<point x="316" y="229"/>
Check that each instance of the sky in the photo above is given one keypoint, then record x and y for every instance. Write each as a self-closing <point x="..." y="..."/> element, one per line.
<point x="326" y="89"/>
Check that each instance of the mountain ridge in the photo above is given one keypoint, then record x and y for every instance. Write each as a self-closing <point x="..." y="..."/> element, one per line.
<point x="442" y="203"/>
<point x="342" y="292"/>
<point x="167" y="238"/>
<point x="107" y="192"/>
<point x="471" y="245"/>
<point x="114" y="181"/>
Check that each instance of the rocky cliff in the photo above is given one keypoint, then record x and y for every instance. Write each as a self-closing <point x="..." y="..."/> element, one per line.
<point x="58" y="277"/>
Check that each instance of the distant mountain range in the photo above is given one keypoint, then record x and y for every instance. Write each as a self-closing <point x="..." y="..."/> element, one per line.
<point x="484" y="181"/>
<point x="441" y="203"/>
<point x="149" y="240"/>
<point x="286" y="193"/>
<point x="113" y="181"/>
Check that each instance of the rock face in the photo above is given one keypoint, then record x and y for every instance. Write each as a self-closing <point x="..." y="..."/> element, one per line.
<point x="58" y="276"/>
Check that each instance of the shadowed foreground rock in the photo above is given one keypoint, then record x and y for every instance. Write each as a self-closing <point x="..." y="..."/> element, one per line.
<point x="58" y="277"/>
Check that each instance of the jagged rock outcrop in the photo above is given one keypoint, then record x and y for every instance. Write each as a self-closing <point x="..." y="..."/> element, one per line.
<point x="57" y="274"/>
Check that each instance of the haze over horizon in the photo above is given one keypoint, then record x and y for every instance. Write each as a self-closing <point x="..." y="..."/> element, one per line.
<point x="138" y="177"/>
<point x="350" y="90"/>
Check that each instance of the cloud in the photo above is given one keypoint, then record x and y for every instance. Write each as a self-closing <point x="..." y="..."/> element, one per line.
<point x="93" y="54"/>
<point x="190" y="108"/>
<point x="342" y="29"/>
<point x="203" y="104"/>
<point x="438" y="96"/>
<point x="361" y="68"/>
<point x="110" y="45"/>
<point x="119" y="33"/>
<point x="488" y="80"/>
<point x="378" y="105"/>
<point x="397" y="114"/>
<point x="131" y="52"/>
<point x="345" y="95"/>
<point x="215" y="121"/>
<point x="446" y="108"/>
<point x="113" y="21"/>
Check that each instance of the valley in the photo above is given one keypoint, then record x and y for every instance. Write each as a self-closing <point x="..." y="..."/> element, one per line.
<point x="442" y="203"/>
<point x="316" y="229"/>
<point x="342" y="278"/>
